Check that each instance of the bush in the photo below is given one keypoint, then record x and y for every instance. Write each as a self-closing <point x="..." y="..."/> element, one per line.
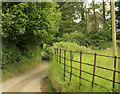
<point x="101" y="39"/>
<point x="10" y="53"/>
<point x="71" y="46"/>
<point x="32" y="51"/>
<point x="118" y="43"/>
<point x="118" y="39"/>
<point x="48" y="50"/>
<point x="77" y="37"/>
<point x="14" y="62"/>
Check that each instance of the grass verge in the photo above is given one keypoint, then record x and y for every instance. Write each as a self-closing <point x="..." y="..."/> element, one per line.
<point x="17" y="68"/>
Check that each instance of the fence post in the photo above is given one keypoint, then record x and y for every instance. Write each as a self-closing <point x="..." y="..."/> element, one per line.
<point x="94" y="69"/>
<point x="70" y="65"/>
<point x="114" y="73"/>
<point x="57" y="54"/>
<point x="80" y="68"/>
<point x="60" y="57"/>
<point x="64" y="62"/>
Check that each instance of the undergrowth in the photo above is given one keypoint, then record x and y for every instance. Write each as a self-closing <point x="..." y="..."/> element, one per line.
<point x="16" y="61"/>
<point x="15" y="69"/>
<point x="55" y="76"/>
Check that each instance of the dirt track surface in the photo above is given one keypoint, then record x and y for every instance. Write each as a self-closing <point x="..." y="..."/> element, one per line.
<point x="28" y="82"/>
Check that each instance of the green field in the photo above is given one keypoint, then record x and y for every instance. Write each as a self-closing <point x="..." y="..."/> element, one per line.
<point x="73" y="86"/>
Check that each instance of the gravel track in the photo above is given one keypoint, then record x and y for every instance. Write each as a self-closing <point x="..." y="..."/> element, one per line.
<point x="28" y="82"/>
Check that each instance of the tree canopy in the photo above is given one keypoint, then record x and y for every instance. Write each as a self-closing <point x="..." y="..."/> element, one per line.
<point x="28" y="25"/>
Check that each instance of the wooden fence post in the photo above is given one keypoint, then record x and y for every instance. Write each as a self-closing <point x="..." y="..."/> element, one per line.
<point x="94" y="69"/>
<point x="70" y="65"/>
<point x="80" y="68"/>
<point x="64" y="62"/>
<point x="57" y="54"/>
<point x="60" y="57"/>
<point x="114" y="73"/>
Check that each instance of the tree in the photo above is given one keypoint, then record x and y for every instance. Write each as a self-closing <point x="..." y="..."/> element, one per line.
<point x="27" y="26"/>
<point x="94" y="22"/>
<point x="72" y="12"/>
<point x="117" y="4"/>
<point x="33" y="20"/>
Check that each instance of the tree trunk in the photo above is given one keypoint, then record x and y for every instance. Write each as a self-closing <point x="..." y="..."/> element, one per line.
<point x="103" y="12"/>
<point x="94" y="24"/>
<point x="82" y="13"/>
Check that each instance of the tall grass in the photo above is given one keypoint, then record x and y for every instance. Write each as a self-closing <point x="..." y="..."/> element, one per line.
<point x="17" y="68"/>
<point x="55" y="75"/>
<point x="73" y="86"/>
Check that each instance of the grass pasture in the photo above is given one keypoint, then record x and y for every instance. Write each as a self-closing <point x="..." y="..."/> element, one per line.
<point x="101" y="61"/>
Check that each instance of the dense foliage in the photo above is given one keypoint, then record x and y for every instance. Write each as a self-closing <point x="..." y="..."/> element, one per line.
<point x="26" y="27"/>
<point x="118" y="14"/>
<point x="73" y="26"/>
<point x="71" y="46"/>
<point x="71" y="12"/>
<point x="30" y="25"/>
<point x="95" y="39"/>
